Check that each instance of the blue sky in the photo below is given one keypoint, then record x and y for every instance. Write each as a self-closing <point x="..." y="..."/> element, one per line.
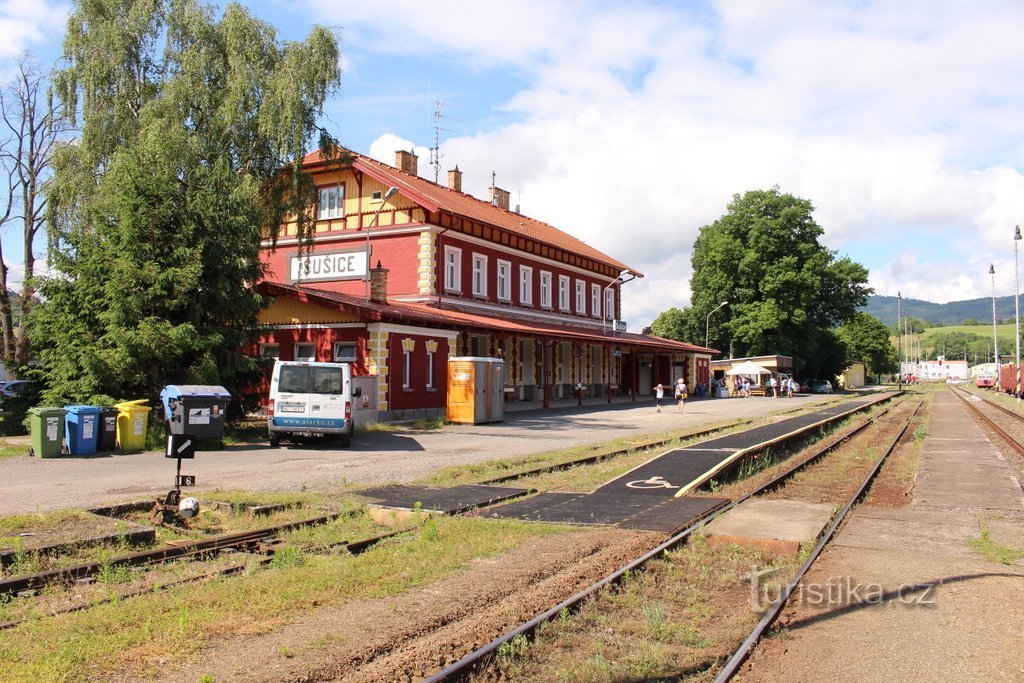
<point x="631" y="124"/>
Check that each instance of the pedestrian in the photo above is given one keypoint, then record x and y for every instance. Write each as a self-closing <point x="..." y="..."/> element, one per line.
<point x="659" y="396"/>
<point x="771" y="386"/>
<point x="680" y="392"/>
<point x="745" y="387"/>
<point x="790" y="387"/>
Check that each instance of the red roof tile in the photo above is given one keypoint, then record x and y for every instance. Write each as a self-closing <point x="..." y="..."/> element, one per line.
<point x="433" y="197"/>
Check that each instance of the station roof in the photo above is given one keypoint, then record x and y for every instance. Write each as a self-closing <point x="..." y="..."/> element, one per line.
<point x="430" y="315"/>
<point x="434" y="197"/>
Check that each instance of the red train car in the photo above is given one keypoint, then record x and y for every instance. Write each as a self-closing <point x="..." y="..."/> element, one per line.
<point x="1008" y="379"/>
<point x="986" y="382"/>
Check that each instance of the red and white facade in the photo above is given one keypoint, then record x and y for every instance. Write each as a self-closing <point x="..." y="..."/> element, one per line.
<point x="452" y="275"/>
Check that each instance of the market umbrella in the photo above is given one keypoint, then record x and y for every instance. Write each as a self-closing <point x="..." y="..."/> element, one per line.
<point x="748" y="368"/>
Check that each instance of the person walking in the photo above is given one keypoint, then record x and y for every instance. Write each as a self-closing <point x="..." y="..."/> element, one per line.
<point x="680" y="392"/>
<point x="659" y="396"/>
<point x="771" y="386"/>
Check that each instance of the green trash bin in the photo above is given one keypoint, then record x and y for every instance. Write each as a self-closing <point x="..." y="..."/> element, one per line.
<point x="46" y="425"/>
<point x="132" y="421"/>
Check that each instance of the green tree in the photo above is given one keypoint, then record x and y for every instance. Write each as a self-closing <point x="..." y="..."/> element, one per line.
<point x="158" y="209"/>
<point x="867" y="339"/>
<point x="786" y="291"/>
<point x="675" y="324"/>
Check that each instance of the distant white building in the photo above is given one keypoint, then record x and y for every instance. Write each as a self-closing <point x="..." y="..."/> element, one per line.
<point x="936" y="370"/>
<point x="983" y="370"/>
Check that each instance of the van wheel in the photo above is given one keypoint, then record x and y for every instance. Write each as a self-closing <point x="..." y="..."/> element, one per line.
<point x="275" y="441"/>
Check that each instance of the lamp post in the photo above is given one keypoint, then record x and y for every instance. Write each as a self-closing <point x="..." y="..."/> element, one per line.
<point x="1016" y="306"/>
<point x="995" y="335"/>
<point x="899" y="345"/>
<point x="373" y="221"/>
<point x="604" y="300"/>
<point x="707" y="323"/>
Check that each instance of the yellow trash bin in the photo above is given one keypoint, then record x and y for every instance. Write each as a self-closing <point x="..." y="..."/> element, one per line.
<point x="132" y="420"/>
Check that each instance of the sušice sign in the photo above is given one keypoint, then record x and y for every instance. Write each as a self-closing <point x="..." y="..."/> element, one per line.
<point x="342" y="265"/>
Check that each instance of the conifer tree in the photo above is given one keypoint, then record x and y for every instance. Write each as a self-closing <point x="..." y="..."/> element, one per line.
<point x="158" y="208"/>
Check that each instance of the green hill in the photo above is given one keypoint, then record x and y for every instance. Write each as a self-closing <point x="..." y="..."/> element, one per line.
<point x="953" y="313"/>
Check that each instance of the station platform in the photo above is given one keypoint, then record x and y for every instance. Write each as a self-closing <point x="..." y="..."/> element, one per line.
<point x="930" y="572"/>
<point x="451" y="500"/>
<point x="775" y="526"/>
<point x="653" y="496"/>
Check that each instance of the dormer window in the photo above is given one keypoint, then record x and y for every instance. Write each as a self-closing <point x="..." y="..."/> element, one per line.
<point x="330" y="202"/>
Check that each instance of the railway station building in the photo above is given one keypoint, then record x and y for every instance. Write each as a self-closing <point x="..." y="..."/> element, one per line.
<point x="401" y="274"/>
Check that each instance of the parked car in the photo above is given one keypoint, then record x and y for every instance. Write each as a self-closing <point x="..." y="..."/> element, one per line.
<point x="819" y="386"/>
<point x="18" y="395"/>
<point x="14" y="387"/>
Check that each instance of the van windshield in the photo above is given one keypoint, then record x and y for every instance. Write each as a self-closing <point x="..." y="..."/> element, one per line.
<point x="304" y="379"/>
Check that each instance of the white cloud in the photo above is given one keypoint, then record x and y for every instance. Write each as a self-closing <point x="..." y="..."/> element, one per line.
<point x="901" y="122"/>
<point x="27" y="24"/>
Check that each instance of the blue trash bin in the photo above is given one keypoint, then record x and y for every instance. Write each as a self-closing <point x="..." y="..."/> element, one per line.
<point x="82" y="429"/>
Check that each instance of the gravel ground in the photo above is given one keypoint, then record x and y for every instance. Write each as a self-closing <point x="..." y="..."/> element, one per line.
<point x="33" y="484"/>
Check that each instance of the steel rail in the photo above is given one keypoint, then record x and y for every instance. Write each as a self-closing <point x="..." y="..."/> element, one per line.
<point x="748" y="645"/>
<point x="16" y="584"/>
<point x="989" y="422"/>
<point x="476" y="658"/>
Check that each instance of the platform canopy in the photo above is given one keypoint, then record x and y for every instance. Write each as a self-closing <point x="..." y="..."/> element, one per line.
<point x="748" y="368"/>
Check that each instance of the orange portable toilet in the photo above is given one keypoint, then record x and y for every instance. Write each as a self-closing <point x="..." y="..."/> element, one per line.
<point x="476" y="390"/>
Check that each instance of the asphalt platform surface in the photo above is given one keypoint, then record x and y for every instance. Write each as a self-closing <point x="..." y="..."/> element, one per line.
<point x="375" y="458"/>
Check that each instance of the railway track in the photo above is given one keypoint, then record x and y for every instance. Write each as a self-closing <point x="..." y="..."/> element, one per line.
<point x="1007" y="423"/>
<point x="261" y="542"/>
<point x="479" y="659"/>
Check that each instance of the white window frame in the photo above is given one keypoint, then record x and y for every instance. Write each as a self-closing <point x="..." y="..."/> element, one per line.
<point x="525" y="285"/>
<point x="479" y="275"/>
<point x="270" y="351"/>
<point x="328" y="207"/>
<point x="430" y="369"/>
<point x="595" y="300"/>
<point x="563" y="293"/>
<point x="309" y="357"/>
<point x="504" y="281"/>
<point x="581" y="297"/>
<point x="453" y="269"/>
<point x="340" y="357"/>
<point x="545" y="289"/>
<point x="609" y="304"/>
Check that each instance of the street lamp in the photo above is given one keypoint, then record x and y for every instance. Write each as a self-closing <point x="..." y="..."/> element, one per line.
<point x="373" y="221"/>
<point x="1016" y="305"/>
<point x="995" y="335"/>
<point x="899" y="345"/>
<point x="707" y="323"/>
<point x="604" y="300"/>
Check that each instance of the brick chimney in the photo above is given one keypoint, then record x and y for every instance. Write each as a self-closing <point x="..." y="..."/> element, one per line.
<point x="379" y="284"/>
<point x="455" y="179"/>
<point x="407" y="162"/>
<point x="500" y="197"/>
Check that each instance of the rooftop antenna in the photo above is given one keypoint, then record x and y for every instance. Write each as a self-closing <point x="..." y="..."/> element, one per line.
<point x="435" y="151"/>
<point x="494" y="183"/>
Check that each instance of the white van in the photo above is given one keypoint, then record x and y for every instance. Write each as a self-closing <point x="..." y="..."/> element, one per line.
<point x="310" y="399"/>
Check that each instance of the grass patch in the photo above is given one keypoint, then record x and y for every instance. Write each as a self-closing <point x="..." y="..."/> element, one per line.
<point x="989" y="550"/>
<point x="245" y="431"/>
<point x="421" y="425"/>
<point x="682" y="614"/>
<point x="128" y="636"/>
<point x="10" y="449"/>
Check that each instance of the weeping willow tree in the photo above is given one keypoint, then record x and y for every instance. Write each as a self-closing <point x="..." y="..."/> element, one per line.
<point x="158" y="208"/>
